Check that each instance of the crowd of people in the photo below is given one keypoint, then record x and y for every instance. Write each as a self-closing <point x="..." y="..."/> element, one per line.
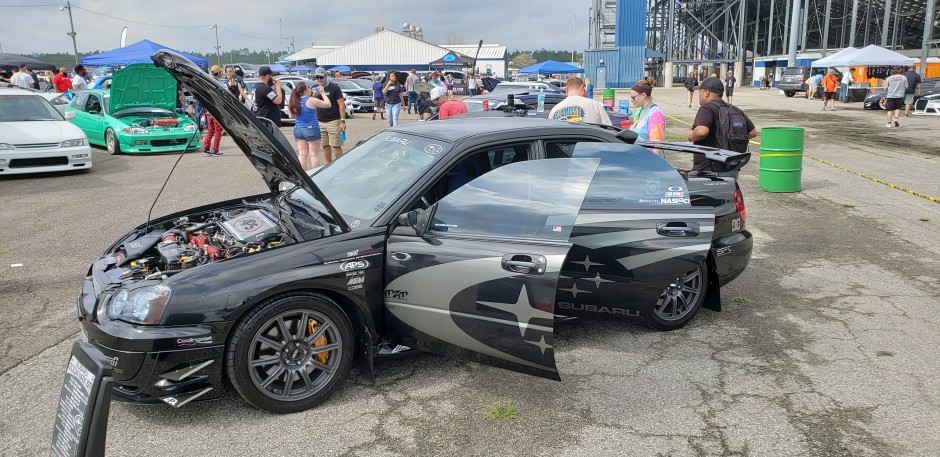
<point x="61" y="81"/>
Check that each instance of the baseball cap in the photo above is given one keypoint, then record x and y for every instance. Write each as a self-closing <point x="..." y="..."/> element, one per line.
<point x="320" y="71"/>
<point x="713" y="85"/>
<point x="266" y="70"/>
<point x="438" y="92"/>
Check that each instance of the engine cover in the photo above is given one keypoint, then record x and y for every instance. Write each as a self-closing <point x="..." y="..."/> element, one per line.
<point x="251" y="226"/>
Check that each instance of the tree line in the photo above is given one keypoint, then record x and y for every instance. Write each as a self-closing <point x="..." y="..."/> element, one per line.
<point x="63" y="59"/>
<point x="520" y="59"/>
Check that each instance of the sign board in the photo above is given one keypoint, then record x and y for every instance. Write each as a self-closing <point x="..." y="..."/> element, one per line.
<point x="81" y="422"/>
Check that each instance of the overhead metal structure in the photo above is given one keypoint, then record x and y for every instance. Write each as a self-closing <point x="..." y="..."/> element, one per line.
<point x="735" y="31"/>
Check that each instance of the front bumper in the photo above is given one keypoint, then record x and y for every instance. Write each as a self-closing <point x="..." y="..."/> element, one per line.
<point x="159" y="142"/>
<point x="873" y="103"/>
<point x="154" y="364"/>
<point x="44" y="160"/>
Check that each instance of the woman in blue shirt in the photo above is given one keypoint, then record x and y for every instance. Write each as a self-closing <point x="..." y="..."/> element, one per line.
<point x="303" y="107"/>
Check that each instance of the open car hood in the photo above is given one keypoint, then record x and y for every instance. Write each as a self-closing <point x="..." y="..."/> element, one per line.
<point x="143" y="85"/>
<point x="260" y="141"/>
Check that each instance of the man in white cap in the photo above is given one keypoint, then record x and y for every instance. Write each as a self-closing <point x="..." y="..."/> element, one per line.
<point x="447" y="106"/>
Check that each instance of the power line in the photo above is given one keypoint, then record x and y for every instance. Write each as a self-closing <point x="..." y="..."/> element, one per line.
<point x="143" y="23"/>
<point x="32" y="6"/>
<point x="247" y="35"/>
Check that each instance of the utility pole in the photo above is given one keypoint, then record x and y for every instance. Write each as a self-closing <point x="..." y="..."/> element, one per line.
<point x="572" y="36"/>
<point x="218" y="48"/>
<point x="280" y="26"/>
<point x="928" y="35"/>
<point x="68" y="6"/>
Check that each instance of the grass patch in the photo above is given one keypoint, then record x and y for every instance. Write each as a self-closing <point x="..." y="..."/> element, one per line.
<point x="741" y="300"/>
<point x="925" y="219"/>
<point x="673" y="137"/>
<point x="884" y="353"/>
<point x="501" y="411"/>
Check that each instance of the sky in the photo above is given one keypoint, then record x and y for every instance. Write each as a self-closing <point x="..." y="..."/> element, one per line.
<point x="33" y="26"/>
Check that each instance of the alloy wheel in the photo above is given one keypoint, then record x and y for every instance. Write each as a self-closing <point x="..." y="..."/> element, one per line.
<point x="682" y="296"/>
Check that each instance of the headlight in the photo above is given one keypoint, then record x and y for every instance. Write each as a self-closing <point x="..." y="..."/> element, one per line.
<point x="190" y="127"/>
<point x="5" y="147"/>
<point x="135" y="131"/>
<point x="72" y="143"/>
<point x="143" y="305"/>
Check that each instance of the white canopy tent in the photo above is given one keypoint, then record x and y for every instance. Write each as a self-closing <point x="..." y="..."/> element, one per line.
<point x="869" y="55"/>
<point x="825" y="61"/>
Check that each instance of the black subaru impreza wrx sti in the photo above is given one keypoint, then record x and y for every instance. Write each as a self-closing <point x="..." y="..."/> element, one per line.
<point x="467" y="238"/>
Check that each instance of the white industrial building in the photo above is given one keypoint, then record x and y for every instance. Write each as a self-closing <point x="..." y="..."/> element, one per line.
<point x="388" y="50"/>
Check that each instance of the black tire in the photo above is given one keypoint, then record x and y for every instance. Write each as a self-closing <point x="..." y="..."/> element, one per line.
<point x="789" y="93"/>
<point x="112" y="143"/>
<point x="681" y="300"/>
<point x="299" y="374"/>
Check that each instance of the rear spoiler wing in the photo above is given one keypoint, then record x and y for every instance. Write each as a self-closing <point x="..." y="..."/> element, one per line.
<point x="720" y="160"/>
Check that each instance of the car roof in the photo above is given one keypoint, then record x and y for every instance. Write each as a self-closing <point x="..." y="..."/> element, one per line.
<point x="16" y="90"/>
<point x="454" y="130"/>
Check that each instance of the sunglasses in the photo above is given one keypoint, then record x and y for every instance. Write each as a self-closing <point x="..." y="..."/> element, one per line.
<point x="320" y="77"/>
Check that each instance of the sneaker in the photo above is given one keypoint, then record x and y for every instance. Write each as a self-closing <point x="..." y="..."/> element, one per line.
<point x="832" y="109"/>
<point x="824" y="108"/>
<point x="888" y="125"/>
<point x="213" y="154"/>
<point x="907" y="115"/>
<point x="896" y="124"/>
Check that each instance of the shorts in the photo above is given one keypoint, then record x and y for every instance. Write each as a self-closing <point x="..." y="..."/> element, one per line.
<point x="829" y="95"/>
<point x="379" y="103"/>
<point x="892" y="104"/>
<point x="729" y="92"/>
<point x="330" y="133"/>
<point x="909" y="99"/>
<point x="308" y="133"/>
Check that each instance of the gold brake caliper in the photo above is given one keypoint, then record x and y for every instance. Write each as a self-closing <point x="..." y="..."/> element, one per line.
<point x="312" y="327"/>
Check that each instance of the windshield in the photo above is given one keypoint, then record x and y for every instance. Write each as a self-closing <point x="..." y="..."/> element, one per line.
<point x="368" y="178"/>
<point x="20" y="108"/>
<point x="346" y="85"/>
<point x="362" y="83"/>
<point x="793" y="71"/>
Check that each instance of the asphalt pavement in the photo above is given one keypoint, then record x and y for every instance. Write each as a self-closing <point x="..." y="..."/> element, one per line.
<point x="826" y="345"/>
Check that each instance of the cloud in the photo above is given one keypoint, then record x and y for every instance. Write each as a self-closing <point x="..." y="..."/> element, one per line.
<point x="519" y="24"/>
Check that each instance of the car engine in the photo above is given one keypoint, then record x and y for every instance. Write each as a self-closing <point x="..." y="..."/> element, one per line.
<point x="197" y="240"/>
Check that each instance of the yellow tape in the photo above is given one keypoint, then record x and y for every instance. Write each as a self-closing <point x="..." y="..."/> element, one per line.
<point x="781" y="154"/>
<point x="861" y="175"/>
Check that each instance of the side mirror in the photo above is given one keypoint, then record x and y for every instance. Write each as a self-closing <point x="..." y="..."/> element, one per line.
<point x="69" y="115"/>
<point x="418" y="220"/>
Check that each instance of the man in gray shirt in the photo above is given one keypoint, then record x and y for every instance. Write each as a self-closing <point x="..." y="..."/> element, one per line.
<point x="895" y="85"/>
<point x="410" y="88"/>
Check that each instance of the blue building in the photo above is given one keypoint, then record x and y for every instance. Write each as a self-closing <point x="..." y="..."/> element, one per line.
<point x="618" y="43"/>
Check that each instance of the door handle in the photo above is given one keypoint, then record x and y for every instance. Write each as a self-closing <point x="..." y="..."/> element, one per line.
<point x="524" y="263"/>
<point x="678" y="229"/>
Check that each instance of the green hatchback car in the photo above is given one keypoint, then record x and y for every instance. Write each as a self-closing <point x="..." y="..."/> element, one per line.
<point x="137" y="115"/>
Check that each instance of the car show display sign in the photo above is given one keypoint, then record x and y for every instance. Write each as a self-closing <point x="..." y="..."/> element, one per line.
<point x="81" y="423"/>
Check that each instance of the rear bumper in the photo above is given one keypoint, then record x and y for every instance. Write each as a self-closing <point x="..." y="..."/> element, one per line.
<point x="732" y="253"/>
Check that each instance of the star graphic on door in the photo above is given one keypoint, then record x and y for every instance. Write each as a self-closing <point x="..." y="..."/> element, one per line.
<point x="587" y="263"/>
<point x="597" y="280"/>
<point x="523" y="311"/>
<point x="575" y="291"/>
<point x="541" y="344"/>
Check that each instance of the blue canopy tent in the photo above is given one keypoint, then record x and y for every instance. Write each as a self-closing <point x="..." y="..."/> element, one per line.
<point x="280" y="68"/>
<point x="340" y="68"/>
<point x="550" y="67"/>
<point x="302" y="68"/>
<point x="100" y="70"/>
<point x="138" y="52"/>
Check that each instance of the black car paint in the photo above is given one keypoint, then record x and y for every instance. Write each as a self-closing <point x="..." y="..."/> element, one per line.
<point x="209" y="300"/>
<point x="875" y="98"/>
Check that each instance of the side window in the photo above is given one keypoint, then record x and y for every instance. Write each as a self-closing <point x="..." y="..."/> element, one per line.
<point x="536" y="199"/>
<point x="79" y="102"/>
<point x="630" y="175"/>
<point x="475" y="165"/>
<point x="93" y="105"/>
<point x="562" y="149"/>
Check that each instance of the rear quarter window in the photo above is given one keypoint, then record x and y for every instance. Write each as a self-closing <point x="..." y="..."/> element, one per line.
<point x="631" y="176"/>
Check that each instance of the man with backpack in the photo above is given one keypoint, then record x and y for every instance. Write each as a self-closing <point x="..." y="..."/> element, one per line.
<point x="718" y="124"/>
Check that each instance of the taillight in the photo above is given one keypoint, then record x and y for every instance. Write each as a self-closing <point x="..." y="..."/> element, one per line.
<point x="739" y="203"/>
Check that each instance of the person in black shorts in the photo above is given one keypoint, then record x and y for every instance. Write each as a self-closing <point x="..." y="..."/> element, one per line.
<point x="690" y="86"/>
<point x="729" y="86"/>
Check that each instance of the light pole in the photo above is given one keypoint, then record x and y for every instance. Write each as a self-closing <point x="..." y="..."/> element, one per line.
<point x="280" y="26"/>
<point x="218" y="53"/>
<point x="68" y="6"/>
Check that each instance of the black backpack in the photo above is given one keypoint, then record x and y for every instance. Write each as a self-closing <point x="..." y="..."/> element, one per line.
<point x="731" y="128"/>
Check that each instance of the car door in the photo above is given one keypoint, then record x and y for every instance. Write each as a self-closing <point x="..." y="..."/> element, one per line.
<point x="476" y="276"/>
<point x="91" y="122"/>
<point x="636" y="236"/>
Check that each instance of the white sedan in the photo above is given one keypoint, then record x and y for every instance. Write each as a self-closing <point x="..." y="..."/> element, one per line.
<point x="36" y="138"/>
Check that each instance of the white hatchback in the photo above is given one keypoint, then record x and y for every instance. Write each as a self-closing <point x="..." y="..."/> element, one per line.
<point x="36" y="138"/>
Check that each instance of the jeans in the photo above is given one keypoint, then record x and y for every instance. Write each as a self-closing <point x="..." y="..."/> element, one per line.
<point x="843" y="92"/>
<point x="413" y="100"/>
<point x="393" y="110"/>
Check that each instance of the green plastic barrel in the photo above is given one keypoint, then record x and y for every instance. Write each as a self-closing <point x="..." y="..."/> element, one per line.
<point x="609" y="99"/>
<point x="781" y="159"/>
